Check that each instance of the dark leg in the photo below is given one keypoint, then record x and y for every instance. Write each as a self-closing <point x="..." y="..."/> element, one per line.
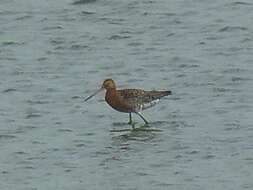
<point x="130" y="119"/>
<point x="146" y="122"/>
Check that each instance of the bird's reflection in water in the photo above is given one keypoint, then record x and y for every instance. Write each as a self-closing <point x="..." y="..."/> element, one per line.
<point x="140" y="133"/>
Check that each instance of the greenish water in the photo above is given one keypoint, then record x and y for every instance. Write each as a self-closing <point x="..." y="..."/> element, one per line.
<point x="52" y="54"/>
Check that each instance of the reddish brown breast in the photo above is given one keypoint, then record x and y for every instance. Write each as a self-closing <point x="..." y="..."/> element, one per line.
<point x="115" y="101"/>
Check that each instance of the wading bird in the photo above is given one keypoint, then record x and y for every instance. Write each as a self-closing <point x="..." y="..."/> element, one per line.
<point x="129" y="100"/>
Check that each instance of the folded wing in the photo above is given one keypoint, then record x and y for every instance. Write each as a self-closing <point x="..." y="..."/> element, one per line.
<point x="139" y="100"/>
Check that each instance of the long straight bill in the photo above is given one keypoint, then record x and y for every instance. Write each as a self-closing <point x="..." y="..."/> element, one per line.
<point x="89" y="97"/>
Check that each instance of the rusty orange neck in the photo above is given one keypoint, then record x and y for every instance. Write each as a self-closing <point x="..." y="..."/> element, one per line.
<point x="111" y="96"/>
<point x="110" y="92"/>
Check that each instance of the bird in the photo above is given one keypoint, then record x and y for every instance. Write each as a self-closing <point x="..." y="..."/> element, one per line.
<point x="129" y="100"/>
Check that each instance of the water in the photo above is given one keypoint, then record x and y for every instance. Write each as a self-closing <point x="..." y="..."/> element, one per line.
<point x="54" y="53"/>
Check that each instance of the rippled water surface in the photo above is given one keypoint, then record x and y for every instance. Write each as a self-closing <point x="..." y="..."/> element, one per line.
<point x="54" y="53"/>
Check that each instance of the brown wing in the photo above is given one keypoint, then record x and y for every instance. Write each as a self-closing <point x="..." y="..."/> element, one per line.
<point x="140" y="99"/>
<point x="131" y="93"/>
<point x="132" y="98"/>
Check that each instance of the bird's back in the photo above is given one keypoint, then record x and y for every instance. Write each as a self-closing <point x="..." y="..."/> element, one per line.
<point x="139" y="99"/>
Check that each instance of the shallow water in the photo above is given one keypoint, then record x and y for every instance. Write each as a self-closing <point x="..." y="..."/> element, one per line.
<point x="52" y="54"/>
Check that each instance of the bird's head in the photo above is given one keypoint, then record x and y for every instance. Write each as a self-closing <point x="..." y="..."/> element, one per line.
<point x="108" y="84"/>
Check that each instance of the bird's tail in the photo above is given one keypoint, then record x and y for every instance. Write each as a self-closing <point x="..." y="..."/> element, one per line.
<point x="166" y="93"/>
<point x="159" y="94"/>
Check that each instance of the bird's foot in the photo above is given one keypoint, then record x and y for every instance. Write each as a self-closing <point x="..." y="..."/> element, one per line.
<point x="146" y="125"/>
<point x="131" y="123"/>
